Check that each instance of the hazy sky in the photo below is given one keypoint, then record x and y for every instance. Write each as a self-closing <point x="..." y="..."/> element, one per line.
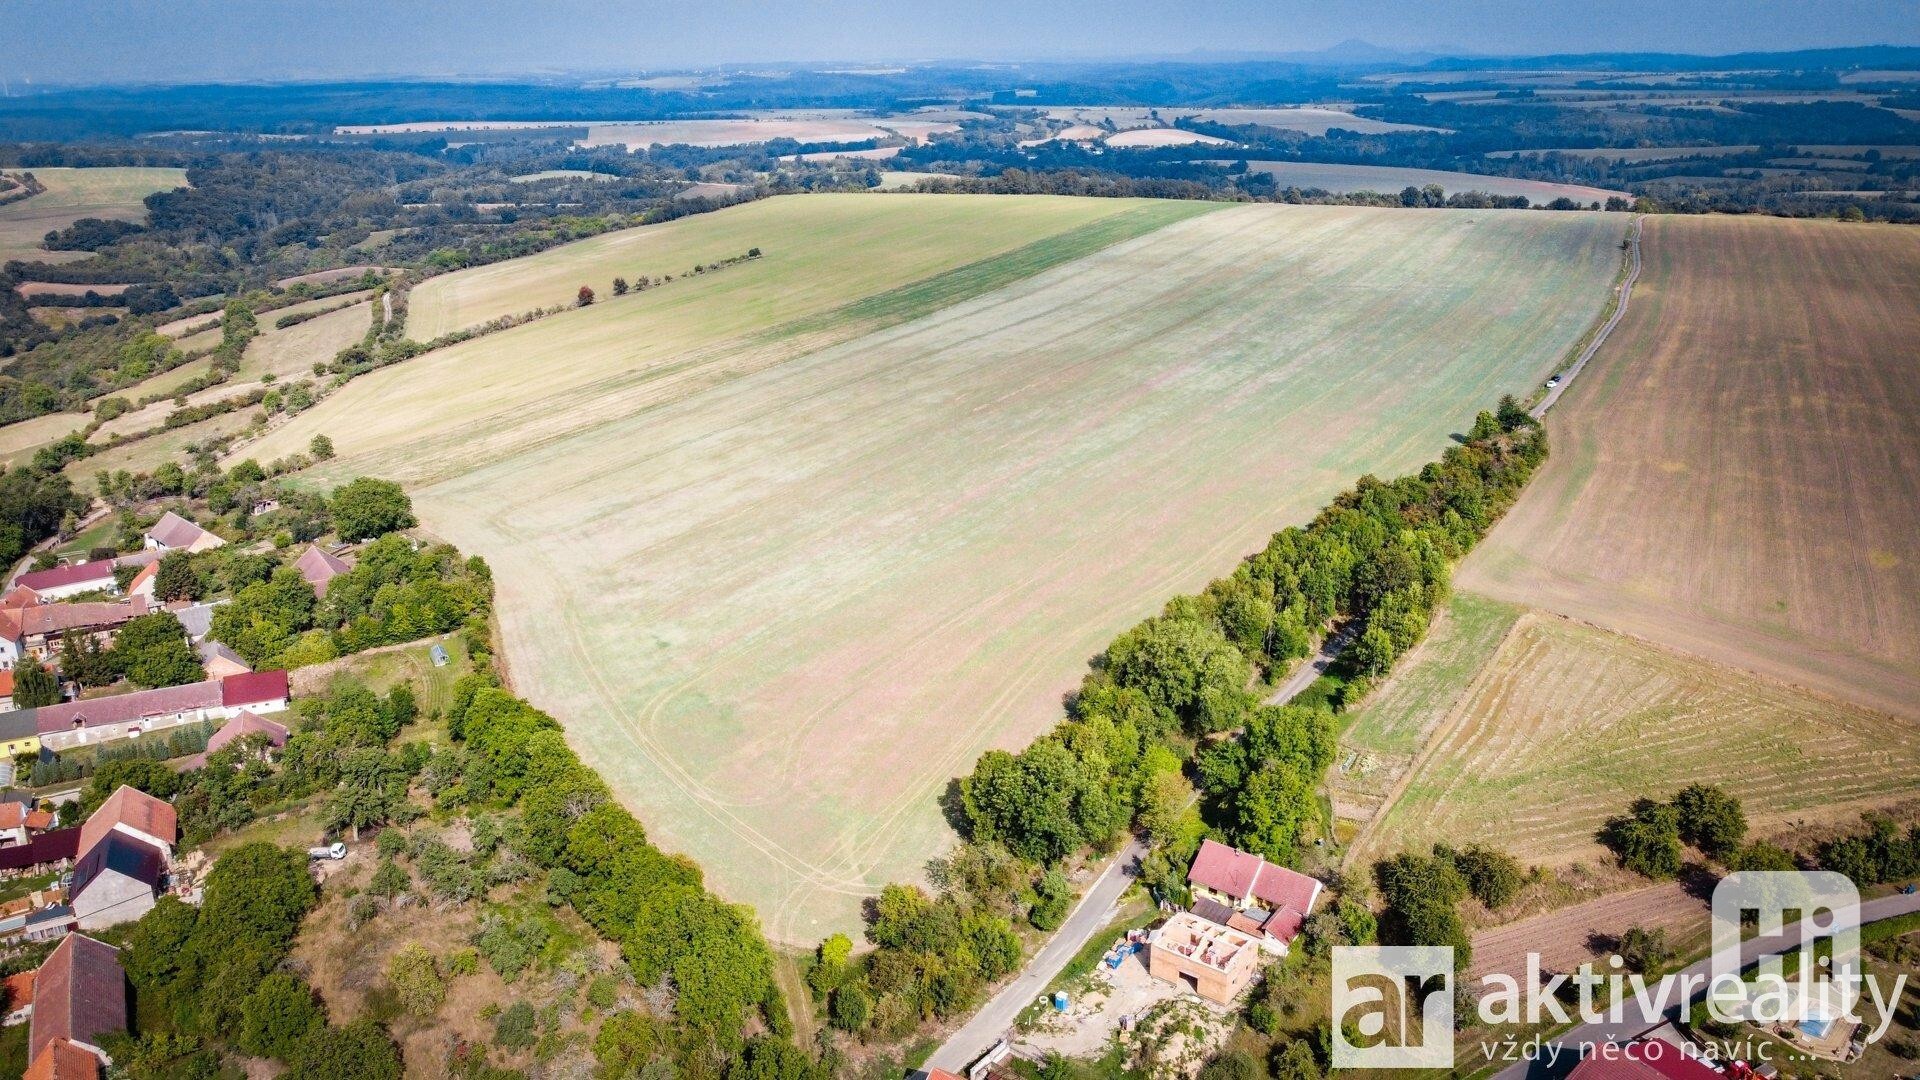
<point x="175" y="40"/>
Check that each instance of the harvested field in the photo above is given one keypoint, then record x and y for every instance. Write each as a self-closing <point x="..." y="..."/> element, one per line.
<point x="149" y="453"/>
<point x="72" y="194"/>
<point x="1568" y="723"/>
<point x="1162" y="137"/>
<point x="1383" y="736"/>
<point x="736" y="132"/>
<point x="1572" y="936"/>
<point x="62" y="288"/>
<point x="1738" y="472"/>
<point x="891" y="241"/>
<point x="291" y="352"/>
<point x="878" y="153"/>
<point x="780" y="604"/>
<point x="1389" y="180"/>
<point x="1637" y="153"/>
<point x="322" y="277"/>
<point x="19" y="440"/>
<point x="561" y="174"/>
<point x="1307" y="119"/>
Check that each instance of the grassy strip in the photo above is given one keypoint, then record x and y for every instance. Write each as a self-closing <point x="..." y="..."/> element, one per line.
<point x="896" y="306"/>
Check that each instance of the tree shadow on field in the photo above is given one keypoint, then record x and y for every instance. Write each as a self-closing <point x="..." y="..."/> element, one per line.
<point x="953" y="807"/>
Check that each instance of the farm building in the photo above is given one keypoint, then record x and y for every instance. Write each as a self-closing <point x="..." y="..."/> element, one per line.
<point x="131" y="812"/>
<point x="1247" y="893"/>
<point x="116" y="881"/>
<point x="95" y="720"/>
<point x="1216" y="962"/>
<point x="79" y="996"/>
<point x="319" y="568"/>
<point x="175" y="533"/>
<point x="60" y="582"/>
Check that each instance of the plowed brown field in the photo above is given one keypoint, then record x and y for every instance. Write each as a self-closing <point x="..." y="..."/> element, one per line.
<point x="1737" y="474"/>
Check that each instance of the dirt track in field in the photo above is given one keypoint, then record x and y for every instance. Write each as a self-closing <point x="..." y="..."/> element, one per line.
<point x="1738" y="473"/>
<point x="1567" y="938"/>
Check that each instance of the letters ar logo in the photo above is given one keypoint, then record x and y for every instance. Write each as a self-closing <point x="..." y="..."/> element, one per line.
<point x="1392" y="1007"/>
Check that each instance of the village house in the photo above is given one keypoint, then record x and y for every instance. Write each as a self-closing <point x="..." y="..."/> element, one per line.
<point x="62" y="1060"/>
<point x="19" y="991"/>
<point x="18" y="734"/>
<point x="142" y="583"/>
<point x="1247" y="893"/>
<point x="97" y="720"/>
<point x="196" y="619"/>
<point x="38" y="630"/>
<point x="319" y="568"/>
<point x="175" y="533"/>
<point x="1217" y="962"/>
<point x="73" y="579"/>
<point x="131" y="812"/>
<point x="6" y="689"/>
<point x="79" y="997"/>
<point x="220" y="661"/>
<point x="19" y="821"/>
<point x="116" y="881"/>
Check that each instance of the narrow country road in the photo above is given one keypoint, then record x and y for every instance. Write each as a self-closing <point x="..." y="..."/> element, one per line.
<point x="1619" y="312"/>
<point x="994" y="1021"/>
<point x="1569" y="1043"/>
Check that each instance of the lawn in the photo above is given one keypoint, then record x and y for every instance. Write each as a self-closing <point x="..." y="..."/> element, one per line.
<point x="71" y="195"/>
<point x="779" y="606"/>
<point x="1737" y="474"/>
<point x="1568" y="724"/>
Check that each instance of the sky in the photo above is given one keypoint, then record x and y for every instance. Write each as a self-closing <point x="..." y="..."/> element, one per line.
<point x="158" y="41"/>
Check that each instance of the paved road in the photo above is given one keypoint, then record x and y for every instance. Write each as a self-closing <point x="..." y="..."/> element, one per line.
<point x="993" y="1022"/>
<point x="1619" y="312"/>
<point x="1885" y="907"/>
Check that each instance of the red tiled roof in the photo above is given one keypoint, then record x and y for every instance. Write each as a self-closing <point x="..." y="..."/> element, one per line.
<point x="19" y="990"/>
<point x="79" y="994"/>
<point x="253" y="688"/>
<point x="39" y="819"/>
<point x="6" y="682"/>
<point x="136" y="810"/>
<point x="127" y="708"/>
<point x="1245" y="876"/>
<point x="18" y="597"/>
<point x="98" y="615"/>
<point x="318" y="567"/>
<point x="13" y="815"/>
<point x="1643" y="1059"/>
<point x="174" y="531"/>
<point x="61" y="1060"/>
<point x="48" y="847"/>
<point x="243" y="725"/>
<point x="150" y="570"/>
<point x="76" y="573"/>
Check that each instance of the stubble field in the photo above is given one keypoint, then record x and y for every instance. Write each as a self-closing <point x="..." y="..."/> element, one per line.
<point x="72" y="194"/>
<point x="1737" y="474"/>
<point x="779" y="610"/>
<point x="1568" y="724"/>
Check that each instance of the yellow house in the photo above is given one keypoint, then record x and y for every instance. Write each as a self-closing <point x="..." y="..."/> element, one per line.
<point x="19" y="734"/>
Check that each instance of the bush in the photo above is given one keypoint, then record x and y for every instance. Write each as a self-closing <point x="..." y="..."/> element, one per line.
<point x="1647" y="841"/>
<point x="1493" y="877"/>
<point x="416" y="980"/>
<point x="1710" y="819"/>
<point x="513" y="1029"/>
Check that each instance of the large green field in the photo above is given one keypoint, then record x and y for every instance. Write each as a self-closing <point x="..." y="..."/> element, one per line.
<point x="780" y="604"/>
<point x="71" y="195"/>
